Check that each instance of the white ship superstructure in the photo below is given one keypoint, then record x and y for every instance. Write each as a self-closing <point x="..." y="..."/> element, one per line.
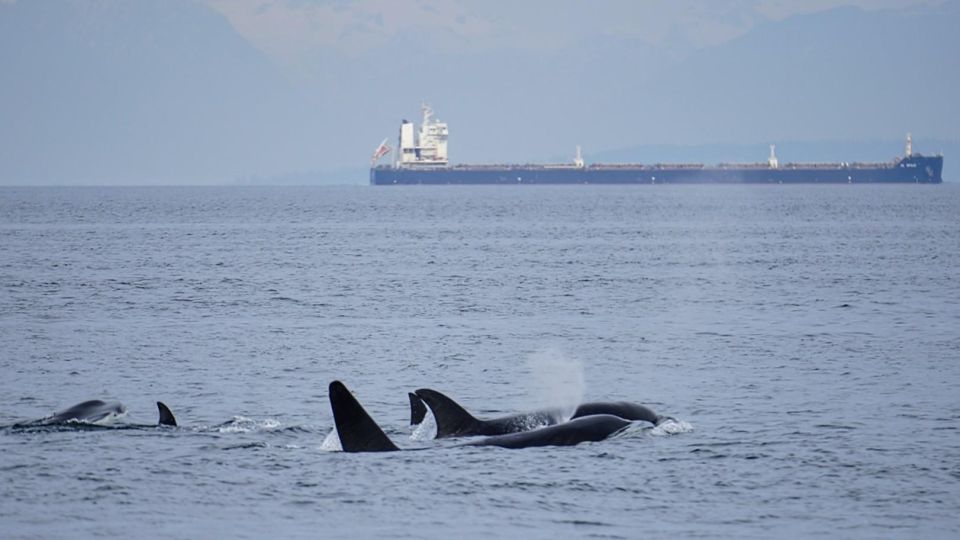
<point x="429" y="147"/>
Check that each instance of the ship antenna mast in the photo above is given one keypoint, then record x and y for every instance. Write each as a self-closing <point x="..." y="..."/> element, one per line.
<point x="909" y="144"/>
<point x="427" y="114"/>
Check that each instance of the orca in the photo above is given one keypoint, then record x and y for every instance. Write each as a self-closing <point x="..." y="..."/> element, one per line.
<point x="591" y="428"/>
<point x="418" y="411"/>
<point x="358" y="432"/>
<point x="96" y="412"/>
<point x="89" y="412"/>
<point x="454" y="421"/>
<point x="166" y="415"/>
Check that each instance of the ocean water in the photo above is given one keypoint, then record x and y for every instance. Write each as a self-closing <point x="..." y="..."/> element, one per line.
<point x="806" y="339"/>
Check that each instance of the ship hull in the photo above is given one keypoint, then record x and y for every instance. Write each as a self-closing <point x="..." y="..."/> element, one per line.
<point x="914" y="170"/>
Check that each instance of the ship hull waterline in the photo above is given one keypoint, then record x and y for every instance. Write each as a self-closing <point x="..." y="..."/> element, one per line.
<point x="914" y="170"/>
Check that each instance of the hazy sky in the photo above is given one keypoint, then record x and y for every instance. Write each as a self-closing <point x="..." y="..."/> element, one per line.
<point x="399" y="42"/>
<point x="288" y="30"/>
<point x="213" y="91"/>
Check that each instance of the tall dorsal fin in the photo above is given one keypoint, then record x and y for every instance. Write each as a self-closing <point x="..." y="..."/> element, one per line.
<point x="166" y="416"/>
<point x="452" y="419"/>
<point x="357" y="431"/>
<point x="417" y="409"/>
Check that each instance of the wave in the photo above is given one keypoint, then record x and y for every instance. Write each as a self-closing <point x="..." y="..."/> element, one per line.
<point x="671" y="426"/>
<point x="425" y="430"/>
<point x="332" y="442"/>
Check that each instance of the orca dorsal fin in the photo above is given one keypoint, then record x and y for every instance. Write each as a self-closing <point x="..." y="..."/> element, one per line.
<point x="166" y="416"/>
<point x="357" y="431"/>
<point x="452" y="419"/>
<point x="417" y="409"/>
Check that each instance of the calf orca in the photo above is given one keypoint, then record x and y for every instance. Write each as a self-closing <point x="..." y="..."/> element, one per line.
<point x="97" y="413"/>
<point x="359" y="433"/>
<point x="454" y="421"/>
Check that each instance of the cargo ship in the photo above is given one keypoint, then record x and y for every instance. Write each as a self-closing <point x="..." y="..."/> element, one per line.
<point x="421" y="158"/>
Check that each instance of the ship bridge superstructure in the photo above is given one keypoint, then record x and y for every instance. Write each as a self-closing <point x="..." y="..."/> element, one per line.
<point x="428" y="147"/>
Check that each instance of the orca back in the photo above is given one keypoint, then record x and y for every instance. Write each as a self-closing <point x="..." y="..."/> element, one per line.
<point x="584" y="429"/>
<point x="166" y="415"/>
<point x="452" y="419"/>
<point x="418" y="411"/>
<point x="91" y="411"/>
<point x="623" y="409"/>
<point x="357" y="431"/>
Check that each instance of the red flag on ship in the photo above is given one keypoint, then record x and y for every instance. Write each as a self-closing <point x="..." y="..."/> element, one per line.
<point x="381" y="151"/>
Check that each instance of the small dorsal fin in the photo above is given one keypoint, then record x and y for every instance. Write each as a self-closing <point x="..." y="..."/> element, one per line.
<point x="166" y="416"/>
<point x="417" y="409"/>
<point x="452" y="419"/>
<point x="357" y="431"/>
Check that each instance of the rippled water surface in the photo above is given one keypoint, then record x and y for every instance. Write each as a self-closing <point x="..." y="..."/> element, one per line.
<point x="806" y="338"/>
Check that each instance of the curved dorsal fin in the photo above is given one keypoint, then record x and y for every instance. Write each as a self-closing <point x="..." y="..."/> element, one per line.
<point x="357" y="431"/>
<point x="166" y="416"/>
<point x="417" y="409"/>
<point x="452" y="419"/>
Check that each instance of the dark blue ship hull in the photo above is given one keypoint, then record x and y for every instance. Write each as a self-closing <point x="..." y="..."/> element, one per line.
<point x="915" y="169"/>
